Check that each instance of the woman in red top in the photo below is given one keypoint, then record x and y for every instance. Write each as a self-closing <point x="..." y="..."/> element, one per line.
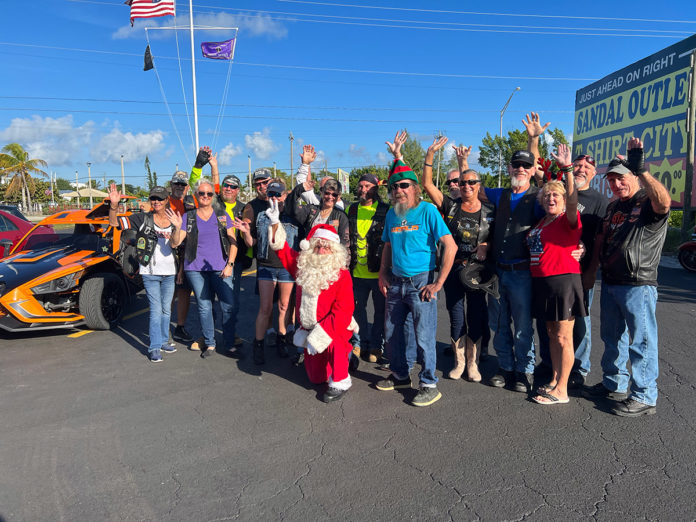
<point x="557" y="296"/>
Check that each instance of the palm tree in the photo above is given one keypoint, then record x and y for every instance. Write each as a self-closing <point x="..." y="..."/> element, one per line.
<point x="15" y="160"/>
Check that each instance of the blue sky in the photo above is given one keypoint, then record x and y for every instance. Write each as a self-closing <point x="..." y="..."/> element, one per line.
<point x="343" y="76"/>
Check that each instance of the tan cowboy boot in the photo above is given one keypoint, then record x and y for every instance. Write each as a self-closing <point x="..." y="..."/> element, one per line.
<point x="472" y="371"/>
<point x="460" y="363"/>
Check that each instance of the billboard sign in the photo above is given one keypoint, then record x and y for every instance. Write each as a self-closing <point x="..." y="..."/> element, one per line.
<point x="648" y="100"/>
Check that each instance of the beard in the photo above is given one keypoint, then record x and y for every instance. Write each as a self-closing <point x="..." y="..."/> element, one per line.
<point x="516" y="182"/>
<point x="316" y="272"/>
<point x="580" y="183"/>
<point x="400" y="209"/>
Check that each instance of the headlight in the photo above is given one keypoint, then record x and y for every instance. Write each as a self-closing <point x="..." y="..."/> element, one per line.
<point x="58" y="285"/>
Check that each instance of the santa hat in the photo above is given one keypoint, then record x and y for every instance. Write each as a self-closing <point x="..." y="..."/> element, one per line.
<point x="321" y="231"/>
<point x="399" y="171"/>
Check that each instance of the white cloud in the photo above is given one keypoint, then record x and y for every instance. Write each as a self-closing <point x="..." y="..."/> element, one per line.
<point x="228" y="152"/>
<point x="321" y="158"/>
<point x="249" y="25"/>
<point x="56" y="140"/>
<point x="134" y="147"/>
<point x="260" y="144"/>
<point x="382" y="158"/>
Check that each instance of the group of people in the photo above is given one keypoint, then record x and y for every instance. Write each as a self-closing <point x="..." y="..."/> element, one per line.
<point x="505" y="257"/>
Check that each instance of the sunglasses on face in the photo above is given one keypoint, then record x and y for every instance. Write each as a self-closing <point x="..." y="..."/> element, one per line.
<point x="470" y="182"/>
<point x="403" y="185"/>
<point x="231" y="187"/>
<point x="331" y="194"/>
<point x="155" y="198"/>
<point x="518" y="164"/>
<point x="450" y="181"/>
<point x="588" y="159"/>
<point x="179" y="184"/>
<point x="262" y="182"/>
<point x="274" y="194"/>
<point x="206" y="194"/>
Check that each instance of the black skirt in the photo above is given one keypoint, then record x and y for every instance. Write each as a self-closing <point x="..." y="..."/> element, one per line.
<point x="558" y="298"/>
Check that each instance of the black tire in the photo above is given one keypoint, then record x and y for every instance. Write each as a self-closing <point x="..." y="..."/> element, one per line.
<point x="102" y="301"/>
<point x="687" y="259"/>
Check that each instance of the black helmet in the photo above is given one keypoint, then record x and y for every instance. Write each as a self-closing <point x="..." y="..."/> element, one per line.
<point x="479" y="276"/>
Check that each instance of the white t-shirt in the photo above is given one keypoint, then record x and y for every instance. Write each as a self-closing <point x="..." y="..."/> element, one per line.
<point x="162" y="262"/>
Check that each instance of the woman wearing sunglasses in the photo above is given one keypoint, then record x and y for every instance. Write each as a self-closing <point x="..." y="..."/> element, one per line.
<point x="470" y="221"/>
<point x="208" y="262"/>
<point x="157" y="260"/>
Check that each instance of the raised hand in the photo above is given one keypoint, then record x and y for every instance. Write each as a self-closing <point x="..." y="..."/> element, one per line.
<point x="241" y="225"/>
<point x="399" y="140"/>
<point x="636" y="157"/>
<point x="213" y="161"/>
<point x="174" y="218"/>
<point x="114" y="195"/>
<point x="272" y="212"/>
<point x="202" y="157"/>
<point x="462" y="152"/>
<point x="308" y="154"/>
<point x="562" y="156"/>
<point x="534" y="128"/>
<point x="437" y="144"/>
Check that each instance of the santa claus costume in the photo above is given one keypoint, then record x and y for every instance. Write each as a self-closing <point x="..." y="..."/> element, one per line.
<point x="324" y="305"/>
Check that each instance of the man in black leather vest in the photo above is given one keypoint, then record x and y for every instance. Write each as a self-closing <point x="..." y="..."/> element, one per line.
<point x="628" y="249"/>
<point x="517" y="210"/>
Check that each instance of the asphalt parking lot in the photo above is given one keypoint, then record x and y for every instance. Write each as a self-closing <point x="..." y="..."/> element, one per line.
<point x="92" y="431"/>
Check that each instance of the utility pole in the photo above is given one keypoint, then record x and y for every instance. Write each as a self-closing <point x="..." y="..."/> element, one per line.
<point x="439" y="134"/>
<point x="274" y="169"/>
<point x="292" y="172"/>
<point x="250" y="185"/>
<point x="77" y="190"/>
<point x="123" y="178"/>
<point x="89" y="183"/>
<point x="500" y="150"/>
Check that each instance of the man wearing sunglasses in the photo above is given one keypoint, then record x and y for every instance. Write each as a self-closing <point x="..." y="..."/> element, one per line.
<point x="407" y="279"/>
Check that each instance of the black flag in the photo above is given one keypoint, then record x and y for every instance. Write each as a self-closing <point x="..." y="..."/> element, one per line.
<point x="148" y="59"/>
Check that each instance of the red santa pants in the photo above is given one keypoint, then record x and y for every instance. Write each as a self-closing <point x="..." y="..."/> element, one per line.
<point x="331" y="363"/>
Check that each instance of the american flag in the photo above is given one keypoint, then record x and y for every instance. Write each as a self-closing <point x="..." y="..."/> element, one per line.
<point x="150" y="8"/>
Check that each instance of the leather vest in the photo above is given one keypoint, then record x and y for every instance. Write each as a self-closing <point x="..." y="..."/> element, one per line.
<point x="511" y="227"/>
<point x="373" y="238"/>
<point x="485" y="218"/>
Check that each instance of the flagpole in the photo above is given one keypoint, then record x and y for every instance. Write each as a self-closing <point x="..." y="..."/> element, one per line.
<point x="193" y="78"/>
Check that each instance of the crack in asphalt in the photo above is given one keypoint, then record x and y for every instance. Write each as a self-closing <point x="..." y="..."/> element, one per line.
<point x="612" y="477"/>
<point x="297" y="484"/>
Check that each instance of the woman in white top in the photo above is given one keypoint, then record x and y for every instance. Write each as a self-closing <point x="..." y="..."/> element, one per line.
<point x="157" y="263"/>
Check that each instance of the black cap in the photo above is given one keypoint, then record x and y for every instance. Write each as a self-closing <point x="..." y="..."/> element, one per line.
<point x="159" y="192"/>
<point x="276" y="186"/>
<point x="370" y="178"/>
<point x="479" y="276"/>
<point x="522" y="156"/>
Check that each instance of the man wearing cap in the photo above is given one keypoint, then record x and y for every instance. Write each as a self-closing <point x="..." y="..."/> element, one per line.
<point x="412" y="230"/>
<point x="517" y="211"/>
<point x="628" y="250"/>
<point x="270" y="271"/>
<point x="324" y="303"/>
<point x="365" y="226"/>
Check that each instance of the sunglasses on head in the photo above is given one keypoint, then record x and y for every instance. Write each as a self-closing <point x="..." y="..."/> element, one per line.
<point x="588" y="159"/>
<point x="229" y="186"/>
<point x="274" y="194"/>
<point x="450" y="181"/>
<point x="209" y="194"/>
<point x="518" y="164"/>
<point x="402" y="185"/>
<point x="470" y="182"/>
<point x="155" y="198"/>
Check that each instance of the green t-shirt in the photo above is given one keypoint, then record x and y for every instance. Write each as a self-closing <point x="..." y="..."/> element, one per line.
<point x="365" y="215"/>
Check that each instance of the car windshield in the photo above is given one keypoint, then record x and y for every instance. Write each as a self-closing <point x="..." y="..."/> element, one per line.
<point x="13" y="210"/>
<point x="80" y="235"/>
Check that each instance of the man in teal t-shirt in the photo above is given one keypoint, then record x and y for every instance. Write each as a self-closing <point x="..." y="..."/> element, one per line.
<point x="407" y="278"/>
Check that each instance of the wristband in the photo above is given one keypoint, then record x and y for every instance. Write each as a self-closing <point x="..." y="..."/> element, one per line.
<point x="230" y="263"/>
<point x="567" y="168"/>
<point x="428" y="164"/>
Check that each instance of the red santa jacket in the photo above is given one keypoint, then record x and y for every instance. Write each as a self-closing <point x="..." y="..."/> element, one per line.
<point x="325" y="318"/>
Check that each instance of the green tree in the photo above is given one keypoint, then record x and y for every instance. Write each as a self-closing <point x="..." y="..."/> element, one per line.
<point x="413" y="154"/>
<point x="15" y="161"/>
<point x="63" y="184"/>
<point x="148" y="174"/>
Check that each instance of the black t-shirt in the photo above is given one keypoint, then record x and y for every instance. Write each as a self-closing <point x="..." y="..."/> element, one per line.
<point x="251" y="211"/>
<point x="463" y="225"/>
<point x="592" y="206"/>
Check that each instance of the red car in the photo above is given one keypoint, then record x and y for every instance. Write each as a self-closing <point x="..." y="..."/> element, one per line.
<point x="13" y="229"/>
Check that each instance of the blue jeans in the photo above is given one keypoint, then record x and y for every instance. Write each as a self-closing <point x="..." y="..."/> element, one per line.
<point x="236" y="287"/>
<point x="403" y="297"/>
<point x="206" y="285"/>
<point x="514" y="307"/>
<point x="160" y="291"/>
<point x="629" y="331"/>
<point x="582" y="337"/>
<point x="361" y="291"/>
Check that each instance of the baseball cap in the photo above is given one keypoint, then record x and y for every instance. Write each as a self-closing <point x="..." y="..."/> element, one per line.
<point x="522" y="156"/>
<point x="617" y="167"/>
<point x="180" y="177"/>
<point x="262" y="173"/>
<point x="370" y="178"/>
<point x="159" y="192"/>
<point x="276" y="186"/>
<point x="231" y="179"/>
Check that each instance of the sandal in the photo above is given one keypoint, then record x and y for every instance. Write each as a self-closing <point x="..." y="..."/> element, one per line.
<point x="545" y="388"/>
<point x="550" y="399"/>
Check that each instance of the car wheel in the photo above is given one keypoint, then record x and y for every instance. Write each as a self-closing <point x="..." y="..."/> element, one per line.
<point x="687" y="259"/>
<point x="102" y="300"/>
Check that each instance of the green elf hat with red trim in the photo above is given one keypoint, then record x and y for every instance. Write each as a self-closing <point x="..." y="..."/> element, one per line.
<point x="399" y="171"/>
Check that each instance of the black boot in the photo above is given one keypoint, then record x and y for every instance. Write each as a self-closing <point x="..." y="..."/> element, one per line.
<point x="259" y="356"/>
<point x="281" y="346"/>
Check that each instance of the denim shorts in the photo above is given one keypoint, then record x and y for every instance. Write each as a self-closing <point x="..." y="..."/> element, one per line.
<point x="277" y="275"/>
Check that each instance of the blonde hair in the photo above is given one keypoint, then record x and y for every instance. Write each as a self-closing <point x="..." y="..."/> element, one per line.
<point x="553" y="185"/>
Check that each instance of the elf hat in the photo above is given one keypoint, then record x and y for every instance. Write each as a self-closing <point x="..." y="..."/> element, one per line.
<point x="321" y="231"/>
<point x="400" y="171"/>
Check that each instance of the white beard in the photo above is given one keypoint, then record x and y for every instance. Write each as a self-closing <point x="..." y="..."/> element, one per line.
<point x="580" y="183"/>
<point x="316" y="272"/>
<point x="516" y="182"/>
<point x="400" y="209"/>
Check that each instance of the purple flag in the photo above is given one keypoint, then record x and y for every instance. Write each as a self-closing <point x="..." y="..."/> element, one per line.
<point x="218" y="50"/>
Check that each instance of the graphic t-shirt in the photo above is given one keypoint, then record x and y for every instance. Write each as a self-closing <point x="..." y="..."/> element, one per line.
<point x="414" y="238"/>
<point x="209" y="255"/>
<point x="162" y="262"/>
<point x="463" y="225"/>
<point x="365" y="215"/>
<point x="550" y="246"/>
